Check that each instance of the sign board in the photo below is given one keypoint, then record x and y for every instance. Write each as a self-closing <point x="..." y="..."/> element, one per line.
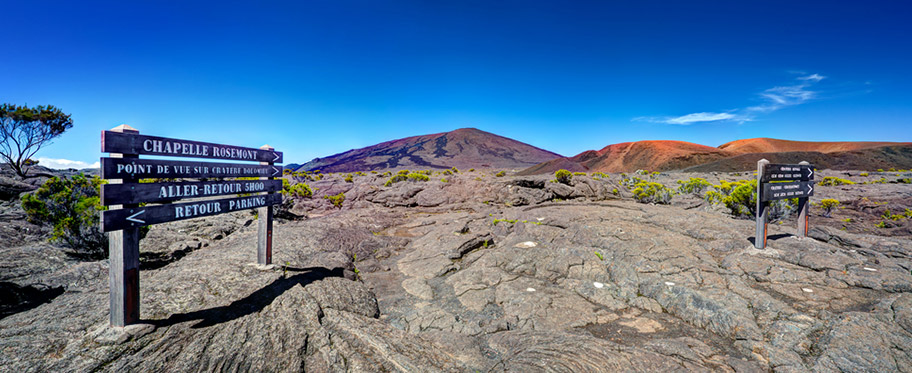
<point x="776" y="172"/>
<point x="134" y="168"/>
<point x="126" y="143"/>
<point x="118" y="194"/>
<point x="782" y="181"/>
<point x="785" y="190"/>
<point x="176" y="200"/>
<point x="141" y="216"/>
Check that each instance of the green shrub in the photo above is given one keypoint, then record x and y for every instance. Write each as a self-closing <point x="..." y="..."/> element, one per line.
<point x="600" y="175"/>
<point x="834" y="181"/>
<point x="403" y="177"/>
<point x="72" y="207"/>
<point x="828" y="204"/>
<point x="563" y="176"/>
<point x="403" y="172"/>
<point x="579" y="174"/>
<point x="694" y="185"/>
<point x="615" y="191"/>
<point x="471" y="170"/>
<point x="297" y="190"/>
<point x="894" y="217"/>
<point x="630" y="183"/>
<point x="455" y="170"/>
<point x="882" y="224"/>
<point x="348" y="178"/>
<point x="742" y="202"/>
<point x="641" y="172"/>
<point x="336" y="200"/>
<point x="713" y="196"/>
<point x="650" y="192"/>
<point x="863" y="174"/>
<point x="444" y="180"/>
<point x="501" y="174"/>
<point x="905" y="181"/>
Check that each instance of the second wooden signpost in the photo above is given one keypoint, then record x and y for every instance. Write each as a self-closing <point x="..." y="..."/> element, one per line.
<point x="253" y="186"/>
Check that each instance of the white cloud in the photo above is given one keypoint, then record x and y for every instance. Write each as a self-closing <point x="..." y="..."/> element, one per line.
<point x="699" y="117"/>
<point x="775" y="98"/>
<point x="814" y="77"/>
<point x="61" y="164"/>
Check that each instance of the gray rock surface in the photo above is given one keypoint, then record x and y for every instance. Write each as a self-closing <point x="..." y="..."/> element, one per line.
<point x="482" y="273"/>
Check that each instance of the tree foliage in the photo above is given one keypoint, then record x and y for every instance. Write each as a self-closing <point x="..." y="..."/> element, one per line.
<point x="72" y="207"/>
<point x="24" y="130"/>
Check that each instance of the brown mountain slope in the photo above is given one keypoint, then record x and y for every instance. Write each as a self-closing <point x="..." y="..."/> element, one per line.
<point x="886" y="157"/>
<point x="656" y="155"/>
<point x="767" y="145"/>
<point x="462" y="148"/>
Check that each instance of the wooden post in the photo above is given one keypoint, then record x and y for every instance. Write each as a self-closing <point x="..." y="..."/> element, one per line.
<point x="264" y="223"/>
<point x="803" y="208"/>
<point x="123" y="252"/>
<point x="760" y="237"/>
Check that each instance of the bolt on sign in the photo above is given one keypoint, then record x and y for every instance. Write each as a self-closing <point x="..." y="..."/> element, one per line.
<point x="133" y="204"/>
<point x="782" y="181"/>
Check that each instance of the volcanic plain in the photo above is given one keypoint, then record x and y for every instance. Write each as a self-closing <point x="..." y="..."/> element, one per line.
<point x="470" y="271"/>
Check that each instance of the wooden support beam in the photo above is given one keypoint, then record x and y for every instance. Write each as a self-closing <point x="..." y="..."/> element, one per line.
<point x="803" y="207"/>
<point x="760" y="237"/>
<point x="264" y="225"/>
<point x="123" y="253"/>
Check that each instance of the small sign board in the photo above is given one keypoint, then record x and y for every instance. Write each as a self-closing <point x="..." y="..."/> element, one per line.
<point x="785" y="190"/>
<point x="118" y="194"/>
<point x="140" y="216"/>
<point x="776" y="172"/>
<point x="127" y="143"/>
<point x="782" y="181"/>
<point x="134" y="168"/>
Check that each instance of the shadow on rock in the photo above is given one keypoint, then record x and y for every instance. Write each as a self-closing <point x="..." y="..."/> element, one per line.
<point x="772" y="237"/>
<point x="252" y="303"/>
<point x="15" y="298"/>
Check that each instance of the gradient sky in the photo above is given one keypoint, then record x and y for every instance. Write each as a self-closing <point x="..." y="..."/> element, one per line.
<point x="315" y="78"/>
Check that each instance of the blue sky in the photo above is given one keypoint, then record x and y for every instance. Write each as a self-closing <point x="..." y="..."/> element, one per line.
<point x="315" y="78"/>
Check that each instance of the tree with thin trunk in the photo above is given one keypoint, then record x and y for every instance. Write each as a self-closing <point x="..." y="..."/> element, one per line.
<point x="24" y="130"/>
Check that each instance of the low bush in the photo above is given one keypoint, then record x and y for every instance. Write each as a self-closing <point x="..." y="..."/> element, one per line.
<point x="693" y="185"/>
<point x="403" y="177"/>
<point x="828" y="204"/>
<point x="336" y="200"/>
<point x="579" y="174"/>
<point x="563" y="176"/>
<point x="834" y="181"/>
<point x="649" y="192"/>
<point x="296" y="190"/>
<point x="72" y="206"/>
<point x="742" y="202"/>
<point x="501" y="174"/>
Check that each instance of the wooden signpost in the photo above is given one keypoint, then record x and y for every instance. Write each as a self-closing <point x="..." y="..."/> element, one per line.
<point x="124" y="193"/>
<point x="782" y="181"/>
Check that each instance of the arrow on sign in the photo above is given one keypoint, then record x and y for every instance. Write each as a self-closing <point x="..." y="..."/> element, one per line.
<point x="810" y="173"/>
<point x="276" y="156"/>
<point x="810" y="188"/>
<point x="275" y="170"/>
<point x="134" y="219"/>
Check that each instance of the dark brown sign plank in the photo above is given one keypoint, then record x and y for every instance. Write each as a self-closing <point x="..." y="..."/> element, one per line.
<point x="127" y="143"/>
<point x="802" y="172"/>
<point x="120" y="168"/>
<point x="118" y="194"/>
<point x="114" y="220"/>
<point x="794" y="189"/>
